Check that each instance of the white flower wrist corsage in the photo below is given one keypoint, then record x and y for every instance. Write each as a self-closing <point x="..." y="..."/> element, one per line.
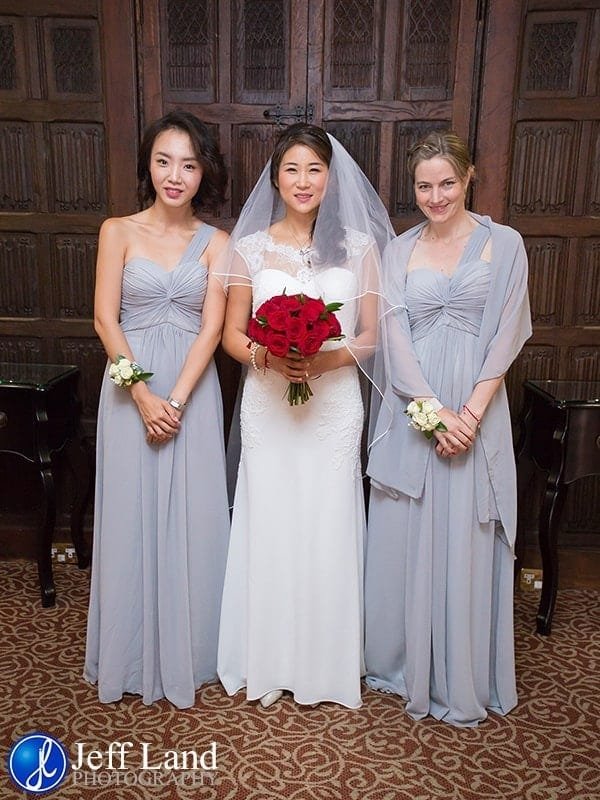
<point x="424" y="418"/>
<point x="124" y="372"/>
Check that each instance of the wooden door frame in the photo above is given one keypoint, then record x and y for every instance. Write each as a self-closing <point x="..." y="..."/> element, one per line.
<point x="121" y="107"/>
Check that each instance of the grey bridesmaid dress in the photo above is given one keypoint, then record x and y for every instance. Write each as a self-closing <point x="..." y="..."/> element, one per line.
<point x="439" y="582"/>
<point x="161" y="518"/>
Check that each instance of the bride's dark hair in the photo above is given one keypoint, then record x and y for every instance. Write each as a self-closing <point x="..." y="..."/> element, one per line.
<point x="316" y="139"/>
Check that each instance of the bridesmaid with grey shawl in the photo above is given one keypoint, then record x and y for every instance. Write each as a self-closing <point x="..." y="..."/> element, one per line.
<point x="439" y="568"/>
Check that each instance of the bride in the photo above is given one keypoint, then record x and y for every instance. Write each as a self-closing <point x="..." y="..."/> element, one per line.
<point x="291" y="617"/>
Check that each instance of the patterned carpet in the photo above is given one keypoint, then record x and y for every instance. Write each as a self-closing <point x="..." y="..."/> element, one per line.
<point x="547" y="749"/>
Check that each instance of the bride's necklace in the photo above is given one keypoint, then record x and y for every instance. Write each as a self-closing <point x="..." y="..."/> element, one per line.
<point x="303" y="249"/>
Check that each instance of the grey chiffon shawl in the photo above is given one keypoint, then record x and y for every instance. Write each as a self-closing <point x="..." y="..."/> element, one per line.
<point x="398" y="459"/>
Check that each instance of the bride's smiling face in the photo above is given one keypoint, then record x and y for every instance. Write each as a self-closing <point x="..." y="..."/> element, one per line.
<point x="302" y="179"/>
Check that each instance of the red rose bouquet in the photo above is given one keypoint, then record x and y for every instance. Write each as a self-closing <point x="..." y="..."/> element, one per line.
<point x="298" y="324"/>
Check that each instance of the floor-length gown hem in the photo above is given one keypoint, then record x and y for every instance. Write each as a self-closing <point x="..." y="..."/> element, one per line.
<point x="292" y="610"/>
<point x="161" y="518"/>
<point x="439" y="571"/>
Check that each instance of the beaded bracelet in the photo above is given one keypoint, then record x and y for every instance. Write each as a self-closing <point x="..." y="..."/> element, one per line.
<point x="253" y="347"/>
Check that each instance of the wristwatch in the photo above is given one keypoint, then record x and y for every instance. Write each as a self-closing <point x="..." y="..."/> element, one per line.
<point x="175" y="403"/>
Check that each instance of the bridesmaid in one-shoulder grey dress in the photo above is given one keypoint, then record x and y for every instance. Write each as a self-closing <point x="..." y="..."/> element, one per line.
<point x="161" y="516"/>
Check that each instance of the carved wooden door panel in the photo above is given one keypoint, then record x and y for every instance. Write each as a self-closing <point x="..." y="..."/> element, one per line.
<point x="375" y="73"/>
<point x="241" y="66"/>
<point x="539" y="137"/>
<point x="382" y="72"/>
<point x="63" y="152"/>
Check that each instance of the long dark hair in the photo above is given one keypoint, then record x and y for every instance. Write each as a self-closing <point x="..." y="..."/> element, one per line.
<point x="211" y="192"/>
<point x="315" y="139"/>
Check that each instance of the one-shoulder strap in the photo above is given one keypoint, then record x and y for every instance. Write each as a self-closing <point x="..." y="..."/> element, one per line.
<point x="198" y="243"/>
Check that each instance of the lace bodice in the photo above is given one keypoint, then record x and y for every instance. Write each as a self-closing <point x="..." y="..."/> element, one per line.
<point x="260" y="251"/>
<point x="276" y="268"/>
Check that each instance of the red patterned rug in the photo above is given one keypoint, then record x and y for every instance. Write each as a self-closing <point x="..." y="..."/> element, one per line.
<point x="548" y="748"/>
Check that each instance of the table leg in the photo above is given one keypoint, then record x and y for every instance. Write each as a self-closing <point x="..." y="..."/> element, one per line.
<point x="552" y="506"/>
<point x="44" y="461"/>
<point x="44" y="561"/>
<point x="525" y="469"/>
<point x="78" y="461"/>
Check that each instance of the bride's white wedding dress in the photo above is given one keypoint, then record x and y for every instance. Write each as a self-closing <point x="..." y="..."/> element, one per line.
<point x="291" y="615"/>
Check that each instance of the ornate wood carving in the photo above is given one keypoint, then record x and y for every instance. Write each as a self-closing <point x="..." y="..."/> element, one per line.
<point x="77" y="162"/>
<point x="8" y="58"/>
<point x="427" y="56"/>
<point x="583" y="363"/>
<point x="544" y="163"/>
<point x="23" y="349"/>
<point x="535" y="362"/>
<point x="361" y="140"/>
<point x="190" y="47"/>
<point x="89" y="355"/>
<point x="353" y="33"/>
<point x="19" y="276"/>
<point x="72" y="53"/>
<point x="552" y="54"/>
<point x="547" y="261"/>
<point x="251" y="147"/>
<point x="16" y="162"/>
<point x="73" y="262"/>
<point x="593" y="199"/>
<point x="12" y="58"/>
<point x="261" y="50"/>
<point x="587" y="283"/>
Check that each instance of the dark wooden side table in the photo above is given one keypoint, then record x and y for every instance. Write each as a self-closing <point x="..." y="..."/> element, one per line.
<point x="560" y="433"/>
<point x="42" y="418"/>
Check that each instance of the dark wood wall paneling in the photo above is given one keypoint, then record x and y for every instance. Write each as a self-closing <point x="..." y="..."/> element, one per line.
<point x="376" y="73"/>
<point x="553" y="199"/>
<point x="518" y="78"/>
<point x="67" y="115"/>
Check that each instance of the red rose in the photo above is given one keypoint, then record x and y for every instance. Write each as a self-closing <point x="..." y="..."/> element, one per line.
<point x="277" y="343"/>
<point x="278" y="319"/>
<point x="255" y="331"/>
<point x="312" y="309"/>
<point x="311" y="345"/>
<point x="296" y="328"/>
<point x="321" y="329"/>
<point x="290" y="302"/>
<point x="335" y="329"/>
<point x="267" y="308"/>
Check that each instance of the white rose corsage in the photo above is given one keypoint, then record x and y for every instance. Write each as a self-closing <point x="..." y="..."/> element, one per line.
<point x="424" y="418"/>
<point x="124" y="372"/>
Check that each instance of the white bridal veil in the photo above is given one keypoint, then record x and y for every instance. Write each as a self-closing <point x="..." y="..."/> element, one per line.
<point x="351" y="230"/>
